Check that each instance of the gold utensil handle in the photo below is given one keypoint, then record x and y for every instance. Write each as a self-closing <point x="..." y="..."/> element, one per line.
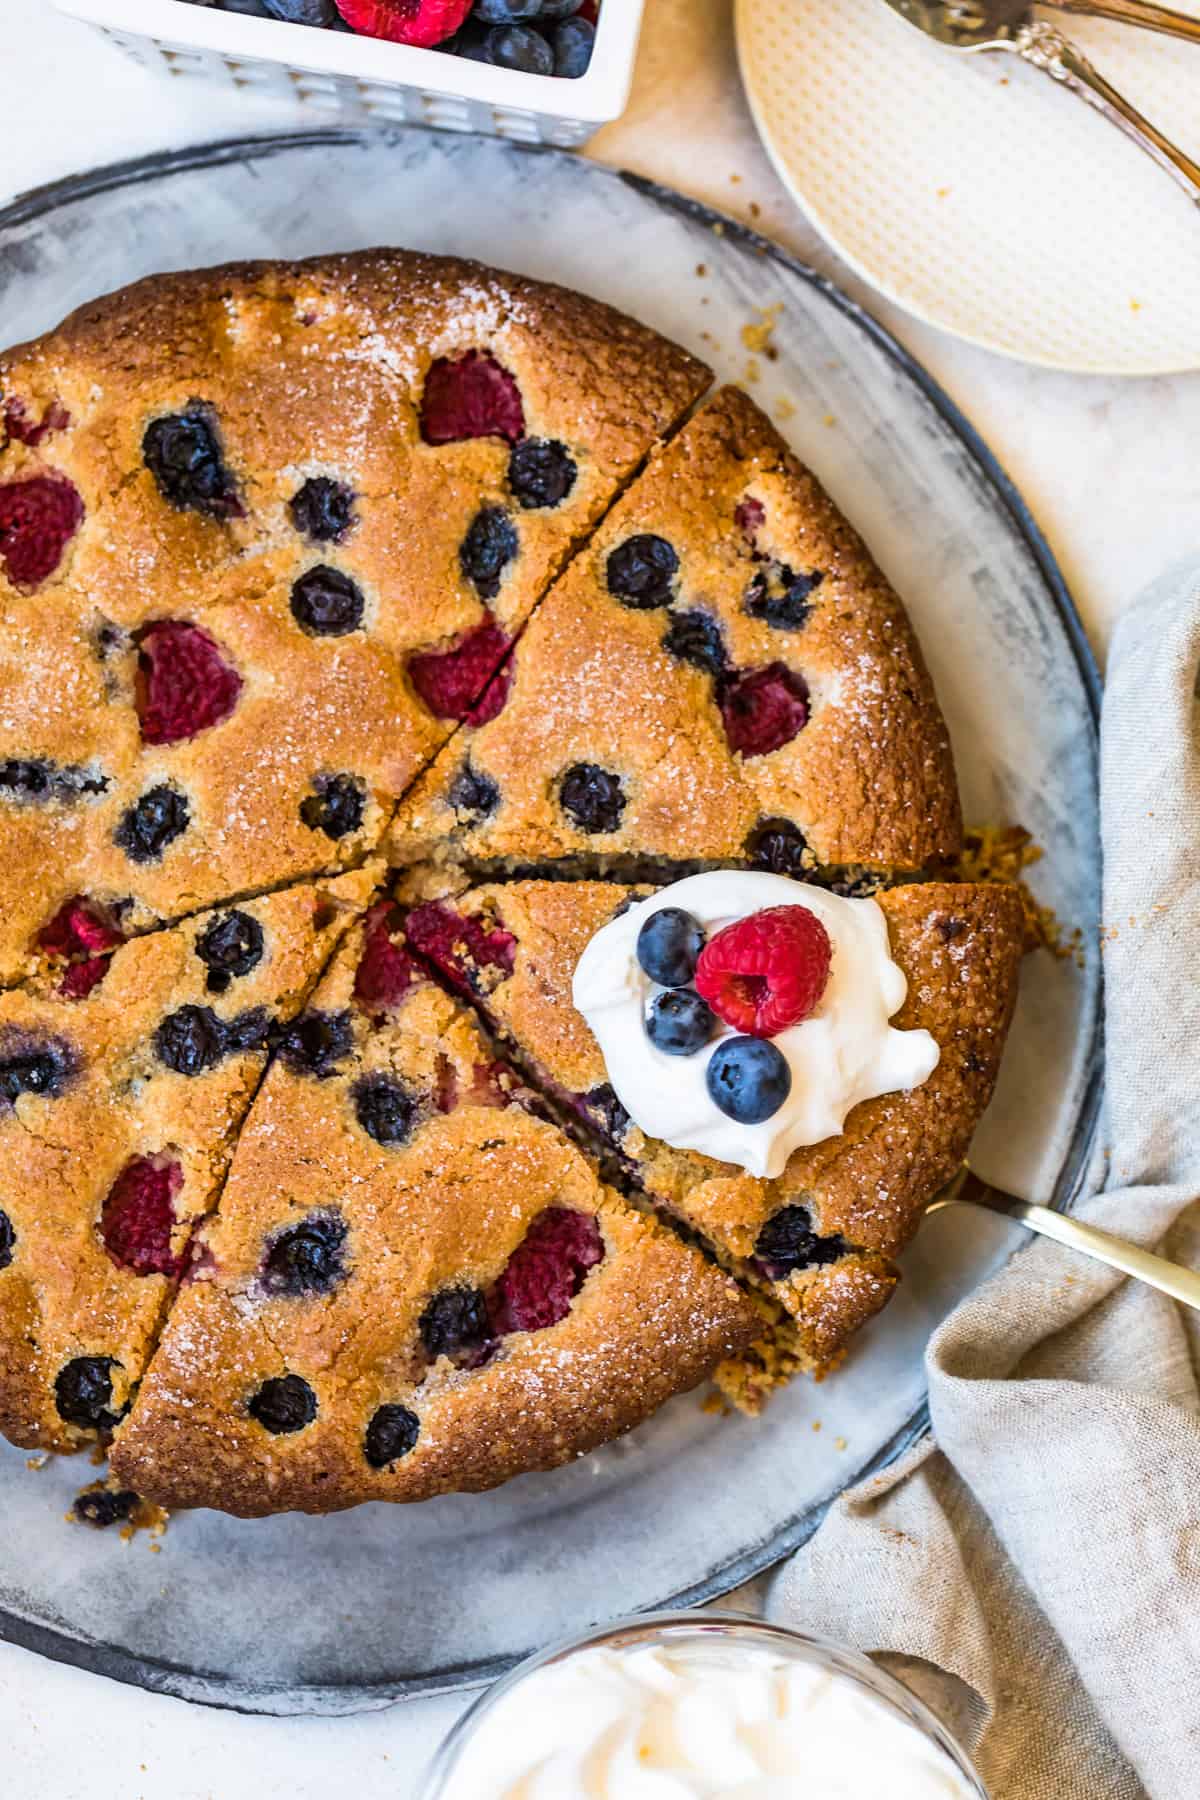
<point x="1133" y="12"/>
<point x="1049" y="51"/>
<point x="1156" y="1271"/>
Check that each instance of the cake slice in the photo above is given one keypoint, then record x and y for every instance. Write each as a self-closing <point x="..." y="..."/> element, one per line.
<point x="823" y="1233"/>
<point x="722" y="674"/>
<point x="266" y="533"/>
<point x="413" y="1283"/>
<point x="123" y="1079"/>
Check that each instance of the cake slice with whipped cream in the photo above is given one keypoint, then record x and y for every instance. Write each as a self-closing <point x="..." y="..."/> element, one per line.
<point x="793" y="1075"/>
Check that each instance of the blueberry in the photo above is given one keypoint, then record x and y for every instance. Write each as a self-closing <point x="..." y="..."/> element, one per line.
<point x="519" y="47"/>
<point x="191" y="1040"/>
<point x="33" y="1067"/>
<point x="321" y="13"/>
<point x="335" y="806"/>
<point x="695" y="637"/>
<point x="574" y="42"/>
<point x="679" y="1022"/>
<point x="38" y="779"/>
<point x="787" y="1241"/>
<point x="779" y="846"/>
<point x="387" y="1111"/>
<point x="473" y="796"/>
<point x="254" y="9"/>
<point x="506" y="12"/>
<point x="151" y="823"/>
<point x="559" y="9"/>
<point x="283" y="1404"/>
<point x="183" y="453"/>
<point x="323" y="510"/>
<point x="641" y="572"/>
<point x="541" y="472"/>
<point x="593" y="797"/>
<point x="101" y="1506"/>
<point x="308" y="1258"/>
<point x="326" y="603"/>
<point x="392" y="1433"/>
<point x="668" y="946"/>
<point x="230" y="945"/>
<point x="782" y="602"/>
<point x="613" y="1118"/>
<point x="249" y="1031"/>
<point x="316" y="1042"/>
<point x="470" y="40"/>
<point x="8" y="1239"/>
<point x="748" y="1079"/>
<point x="489" y="546"/>
<point x="83" y="1393"/>
<point x="455" y="1323"/>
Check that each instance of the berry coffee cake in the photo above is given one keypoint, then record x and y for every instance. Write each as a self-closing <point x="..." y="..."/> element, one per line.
<point x="822" y="1232"/>
<point x="266" y="532"/>
<point x="414" y="1283"/>
<point x="334" y="1175"/>
<point x="124" y="1076"/>
<point x="722" y="674"/>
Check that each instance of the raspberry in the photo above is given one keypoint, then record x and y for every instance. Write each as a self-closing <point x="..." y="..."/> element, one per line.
<point x="184" y="684"/>
<point x="38" y="518"/>
<point x="750" y="515"/>
<point x="474" y="396"/>
<point x="385" y="969"/>
<point x="472" y="957"/>
<point x="763" y="709"/>
<point x="546" y="1271"/>
<point x="766" y="972"/>
<point x="20" y="426"/>
<point x="457" y="683"/>
<point x="78" y="928"/>
<point x="138" y="1217"/>
<point x="82" y="977"/>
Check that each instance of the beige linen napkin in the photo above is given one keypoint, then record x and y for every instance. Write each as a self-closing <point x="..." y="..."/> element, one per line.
<point x="1034" y="1571"/>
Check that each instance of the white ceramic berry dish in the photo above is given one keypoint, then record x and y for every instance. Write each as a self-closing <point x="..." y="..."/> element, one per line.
<point x="296" y="1614"/>
<point x="362" y="79"/>
<point x="976" y="193"/>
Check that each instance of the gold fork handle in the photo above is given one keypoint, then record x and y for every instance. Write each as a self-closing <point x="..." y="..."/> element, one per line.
<point x="1156" y="1271"/>
<point x="1049" y="51"/>
<point x="1133" y="12"/>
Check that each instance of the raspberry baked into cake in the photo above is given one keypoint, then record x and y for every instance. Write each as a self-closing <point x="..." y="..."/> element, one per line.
<point x="478" y="945"/>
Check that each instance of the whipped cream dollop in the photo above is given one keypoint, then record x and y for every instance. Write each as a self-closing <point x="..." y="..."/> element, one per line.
<point x="699" y="1721"/>
<point x="844" y="1052"/>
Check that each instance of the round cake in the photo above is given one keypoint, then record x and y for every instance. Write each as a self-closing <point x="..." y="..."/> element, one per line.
<point x="375" y="632"/>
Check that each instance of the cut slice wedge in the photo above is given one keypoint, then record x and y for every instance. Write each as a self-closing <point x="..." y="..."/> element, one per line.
<point x="414" y="1284"/>
<point x="120" y="1114"/>
<point x="822" y="1236"/>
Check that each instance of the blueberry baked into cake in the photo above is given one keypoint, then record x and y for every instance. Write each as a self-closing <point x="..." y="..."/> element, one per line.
<point x="478" y="943"/>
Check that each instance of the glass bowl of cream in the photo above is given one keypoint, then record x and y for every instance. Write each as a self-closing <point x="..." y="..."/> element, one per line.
<point x="699" y="1706"/>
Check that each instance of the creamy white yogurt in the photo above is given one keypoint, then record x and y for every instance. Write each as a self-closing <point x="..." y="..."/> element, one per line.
<point x="845" y="1052"/>
<point x="699" y="1721"/>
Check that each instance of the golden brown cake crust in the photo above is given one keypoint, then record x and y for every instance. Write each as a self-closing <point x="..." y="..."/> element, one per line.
<point x="113" y="1100"/>
<point x="959" y="946"/>
<point x="868" y="780"/>
<point x="442" y="1211"/>
<point x="305" y="370"/>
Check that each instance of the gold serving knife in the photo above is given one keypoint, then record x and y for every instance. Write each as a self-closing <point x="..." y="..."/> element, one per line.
<point x="985" y="25"/>
<point x="967" y="1189"/>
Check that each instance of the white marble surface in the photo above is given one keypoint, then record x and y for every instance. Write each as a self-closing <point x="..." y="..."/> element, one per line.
<point x="1109" y="468"/>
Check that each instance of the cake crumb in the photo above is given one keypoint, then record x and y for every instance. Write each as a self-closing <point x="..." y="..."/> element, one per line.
<point x="757" y="336"/>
